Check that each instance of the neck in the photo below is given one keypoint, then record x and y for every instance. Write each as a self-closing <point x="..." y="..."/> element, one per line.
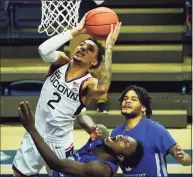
<point x="104" y="153"/>
<point x="131" y="123"/>
<point x="77" y="70"/>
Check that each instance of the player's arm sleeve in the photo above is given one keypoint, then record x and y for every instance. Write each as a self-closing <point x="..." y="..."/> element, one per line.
<point x="47" y="50"/>
<point x="162" y="139"/>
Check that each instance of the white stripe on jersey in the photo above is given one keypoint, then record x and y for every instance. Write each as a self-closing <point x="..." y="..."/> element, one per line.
<point x="163" y="165"/>
<point x="158" y="164"/>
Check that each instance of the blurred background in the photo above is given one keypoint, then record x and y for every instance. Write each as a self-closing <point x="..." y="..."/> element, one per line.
<point x="154" y="50"/>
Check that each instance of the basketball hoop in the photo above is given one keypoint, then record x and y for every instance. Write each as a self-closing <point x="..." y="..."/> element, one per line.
<point x="58" y="16"/>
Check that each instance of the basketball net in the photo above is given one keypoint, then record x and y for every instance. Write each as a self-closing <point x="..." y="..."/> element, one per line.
<point x="58" y="16"/>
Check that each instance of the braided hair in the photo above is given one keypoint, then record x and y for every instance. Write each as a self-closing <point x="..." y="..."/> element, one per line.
<point x="143" y="95"/>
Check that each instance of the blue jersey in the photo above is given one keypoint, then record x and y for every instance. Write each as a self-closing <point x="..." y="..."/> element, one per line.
<point x="83" y="155"/>
<point x="156" y="141"/>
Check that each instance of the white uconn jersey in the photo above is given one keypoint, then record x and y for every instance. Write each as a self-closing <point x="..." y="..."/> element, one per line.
<point x="59" y="101"/>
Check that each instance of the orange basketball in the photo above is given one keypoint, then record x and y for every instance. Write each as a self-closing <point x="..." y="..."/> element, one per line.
<point x="99" y="20"/>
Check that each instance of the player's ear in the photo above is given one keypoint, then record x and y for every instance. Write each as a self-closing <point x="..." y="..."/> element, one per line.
<point x="120" y="158"/>
<point x="94" y="62"/>
<point x="143" y="108"/>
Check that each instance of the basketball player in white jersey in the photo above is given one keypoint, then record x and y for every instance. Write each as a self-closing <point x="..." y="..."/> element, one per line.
<point x="67" y="88"/>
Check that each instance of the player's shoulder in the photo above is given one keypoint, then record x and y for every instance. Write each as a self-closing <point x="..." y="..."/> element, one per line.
<point x="54" y="67"/>
<point x="62" y="59"/>
<point x="155" y="125"/>
<point x="154" y="128"/>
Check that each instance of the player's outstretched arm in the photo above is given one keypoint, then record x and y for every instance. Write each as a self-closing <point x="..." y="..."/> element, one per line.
<point x="64" y="165"/>
<point x="96" y="131"/>
<point x="47" y="50"/>
<point x="104" y="79"/>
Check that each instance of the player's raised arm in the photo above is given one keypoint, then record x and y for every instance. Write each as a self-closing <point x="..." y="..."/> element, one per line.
<point x="104" y="79"/>
<point x="60" y="165"/>
<point x="96" y="131"/>
<point x="47" y="49"/>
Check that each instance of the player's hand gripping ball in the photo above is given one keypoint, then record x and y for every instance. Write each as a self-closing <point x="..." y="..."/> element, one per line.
<point x="98" y="22"/>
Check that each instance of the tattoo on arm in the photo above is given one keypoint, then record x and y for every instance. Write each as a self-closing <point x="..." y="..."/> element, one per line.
<point x="106" y="69"/>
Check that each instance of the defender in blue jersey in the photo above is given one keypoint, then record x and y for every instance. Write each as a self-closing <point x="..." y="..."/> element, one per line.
<point x="157" y="141"/>
<point x="95" y="159"/>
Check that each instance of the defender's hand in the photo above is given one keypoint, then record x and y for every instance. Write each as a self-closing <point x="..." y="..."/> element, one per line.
<point x="26" y="116"/>
<point x="99" y="132"/>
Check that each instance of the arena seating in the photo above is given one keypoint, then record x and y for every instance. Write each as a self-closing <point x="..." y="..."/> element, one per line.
<point x="149" y="52"/>
<point x="152" y="51"/>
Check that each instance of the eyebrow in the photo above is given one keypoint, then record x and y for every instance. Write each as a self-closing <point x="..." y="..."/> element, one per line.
<point x="131" y="97"/>
<point x="90" y="45"/>
<point x="134" y="97"/>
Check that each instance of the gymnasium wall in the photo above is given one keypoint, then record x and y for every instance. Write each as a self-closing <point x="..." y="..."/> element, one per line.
<point x="152" y="51"/>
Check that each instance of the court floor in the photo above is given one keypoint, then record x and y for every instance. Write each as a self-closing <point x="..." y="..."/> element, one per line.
<point x="11" y="137"/>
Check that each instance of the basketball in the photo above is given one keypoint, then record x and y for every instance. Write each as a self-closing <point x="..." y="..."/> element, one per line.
<point x="99" y="20"/>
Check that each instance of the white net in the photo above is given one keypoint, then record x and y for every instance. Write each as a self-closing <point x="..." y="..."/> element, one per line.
<point x="58" y="16"/>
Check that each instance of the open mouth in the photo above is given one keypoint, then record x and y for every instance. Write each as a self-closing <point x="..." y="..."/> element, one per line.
<point x="127" y="106"/>
<point x="79" y="53"/>
<point x="111" y="139"/>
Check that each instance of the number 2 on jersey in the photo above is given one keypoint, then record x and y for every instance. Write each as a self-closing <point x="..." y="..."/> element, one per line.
<point x="57" y="100"/>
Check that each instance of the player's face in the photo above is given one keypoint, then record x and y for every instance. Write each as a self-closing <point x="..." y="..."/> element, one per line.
<point x="131" y="106"/>
<point x="124" y="145"/>
<point x="86" y="53"/>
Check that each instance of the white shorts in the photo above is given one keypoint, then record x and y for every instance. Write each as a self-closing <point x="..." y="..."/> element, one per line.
<point x="28" y="161"/>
